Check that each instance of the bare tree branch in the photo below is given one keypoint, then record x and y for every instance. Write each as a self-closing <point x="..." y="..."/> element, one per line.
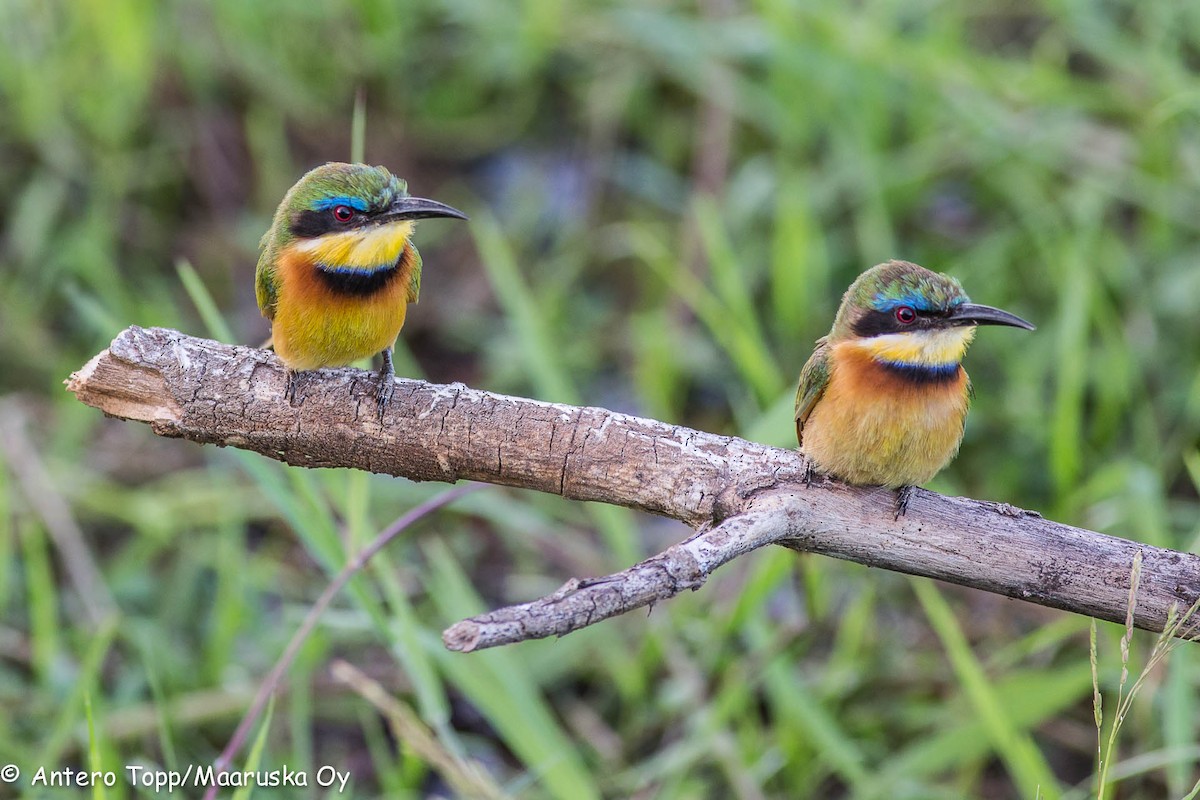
<point x="741" y="495"/>
<point x="582" y="602"/>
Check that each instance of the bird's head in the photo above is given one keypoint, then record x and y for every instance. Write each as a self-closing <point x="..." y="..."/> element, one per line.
<point x="349" y="217"/>
<point x="906" y="315"/>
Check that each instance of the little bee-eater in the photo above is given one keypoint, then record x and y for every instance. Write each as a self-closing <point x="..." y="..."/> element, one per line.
<point x="338" y="269"/>
<point x="883" y="398"/>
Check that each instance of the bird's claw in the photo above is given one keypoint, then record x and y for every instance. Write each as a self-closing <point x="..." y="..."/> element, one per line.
<point x="293" y="383"/>
<point x="387" y="382"/>
<point x="809" y="475"/>
<point x="903" y="497"/>
<point x="386" y="387"/>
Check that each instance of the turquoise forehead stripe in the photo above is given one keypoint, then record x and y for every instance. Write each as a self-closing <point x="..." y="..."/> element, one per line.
<point x="889" y="302"/>
<point x="340" y="200"/>
<point x="937" y="299"/>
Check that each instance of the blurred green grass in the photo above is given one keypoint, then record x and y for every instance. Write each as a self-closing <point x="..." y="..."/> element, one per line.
<point x="625" y="253"/>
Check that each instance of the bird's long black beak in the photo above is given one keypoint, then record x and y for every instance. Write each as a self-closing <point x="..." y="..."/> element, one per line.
<point x="974" y="314"/>
<point x="420" y="208"/>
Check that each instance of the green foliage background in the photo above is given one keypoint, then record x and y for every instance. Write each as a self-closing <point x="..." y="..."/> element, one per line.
<point x="667" y="200"/>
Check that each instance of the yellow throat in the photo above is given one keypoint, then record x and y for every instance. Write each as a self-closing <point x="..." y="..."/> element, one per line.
<point x="927" y="348"/>
<point x="361" y="248"/>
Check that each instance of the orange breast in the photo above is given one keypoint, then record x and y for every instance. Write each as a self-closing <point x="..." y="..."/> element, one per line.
<point x="316" y="326"/>
<point x="874" y="426"/>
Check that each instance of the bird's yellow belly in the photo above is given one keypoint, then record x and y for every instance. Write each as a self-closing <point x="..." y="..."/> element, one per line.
<point x="873" y="428"/>
<point x="323" y="336"/>
<point x="316" y="327"/>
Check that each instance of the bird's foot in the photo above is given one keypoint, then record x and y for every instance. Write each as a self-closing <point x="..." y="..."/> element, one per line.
<point x="809" y="475"/>
<point x="387" y="382"/>
<point x="903" y="497"/>
<point x="293" y="383"/>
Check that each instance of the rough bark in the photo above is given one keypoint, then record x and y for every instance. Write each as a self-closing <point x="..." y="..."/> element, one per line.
<point x="738" y="494"/>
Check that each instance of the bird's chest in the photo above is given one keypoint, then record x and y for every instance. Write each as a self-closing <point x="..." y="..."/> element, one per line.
<point x="874" y="425"/>
<point x="320" y="322"/>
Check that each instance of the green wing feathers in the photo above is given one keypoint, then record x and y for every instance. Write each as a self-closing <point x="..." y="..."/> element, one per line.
<point x="813" y="380"/>
<point x="265" y="288"/>
<point x="414" y="277"/>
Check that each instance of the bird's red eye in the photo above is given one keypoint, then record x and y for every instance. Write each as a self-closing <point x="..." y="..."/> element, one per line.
<point x="343" y="213"/>
<point x="905" y="315"/>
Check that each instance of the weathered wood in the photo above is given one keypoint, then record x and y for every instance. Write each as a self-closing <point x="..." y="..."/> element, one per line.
<point x="741" y="495"/>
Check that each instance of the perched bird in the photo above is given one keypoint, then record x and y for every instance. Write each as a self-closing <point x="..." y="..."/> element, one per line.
<point x="338" y="269"/>
<point x="883" y="398"/>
